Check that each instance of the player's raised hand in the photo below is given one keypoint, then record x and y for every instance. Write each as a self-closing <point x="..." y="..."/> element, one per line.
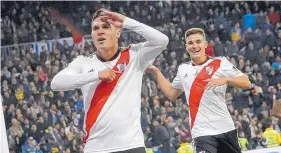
<point x="113" y="18"/>
<point x="108" y="75"/>
<point x="151" y="69"/>
<point x="212" y="83"/>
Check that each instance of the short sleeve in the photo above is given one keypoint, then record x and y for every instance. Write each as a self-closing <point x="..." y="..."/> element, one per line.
<point x="228" y="69"/>
<point x="177" y="83"/>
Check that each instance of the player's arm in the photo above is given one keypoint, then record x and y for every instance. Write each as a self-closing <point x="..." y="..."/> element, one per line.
<point x="235" y="77"/>
<point x="239" y="82"/>
<point x="72" y="76"/>
<point x="230" y="75"/>
<point x="166" y="87"/>
<point x="156" y="41"/>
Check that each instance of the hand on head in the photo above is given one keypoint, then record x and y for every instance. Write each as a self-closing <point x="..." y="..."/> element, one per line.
<point x="113" y="18"/>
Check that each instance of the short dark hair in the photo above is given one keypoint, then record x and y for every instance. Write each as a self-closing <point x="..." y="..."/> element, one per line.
<point x="195" y="31"/>
<point x="266" y="123"/>
<point x="97" y="14"/>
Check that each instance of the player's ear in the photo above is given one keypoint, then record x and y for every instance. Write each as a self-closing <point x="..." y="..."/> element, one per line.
<point x="118" y="33"/>
<point x="186" y="48"/>
<point x="206" y="43"/>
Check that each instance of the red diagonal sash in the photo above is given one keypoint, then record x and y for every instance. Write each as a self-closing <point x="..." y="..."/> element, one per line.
<point x="198" y="87"/>
<point x="102" y="93"/>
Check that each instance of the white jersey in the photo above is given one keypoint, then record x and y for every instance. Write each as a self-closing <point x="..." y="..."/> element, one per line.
<point x="112" y="109"/>
<point x="3" y="140"/>
<point x="208" y="112"/>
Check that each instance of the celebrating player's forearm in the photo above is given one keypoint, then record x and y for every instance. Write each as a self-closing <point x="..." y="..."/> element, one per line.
<point x="156" y="41"/>
<point x="71" y="77"/>
<point x="152" y="35"/>
<point x="229" y="75"/>
<point x="164" y="84"/>
<point x="68" y="80"/>
<point x="239" y="82"/>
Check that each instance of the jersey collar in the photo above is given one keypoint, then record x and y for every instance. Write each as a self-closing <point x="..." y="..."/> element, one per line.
<point x="193" y="64"/>
<point x="112" y="58"/>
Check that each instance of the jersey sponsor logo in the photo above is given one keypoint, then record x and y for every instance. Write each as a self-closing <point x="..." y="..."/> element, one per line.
<point x="209" y="69"/>
<point x="185" y="76"/>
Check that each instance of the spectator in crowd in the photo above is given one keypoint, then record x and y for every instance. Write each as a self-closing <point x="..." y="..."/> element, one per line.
<point x="272" y="136"/>
<point x="30" y="146"/>
<point x="161" y="137"/>
<point x="20" y="139"/>
<point x="243" y="141"/>
<point x="185" y="147"/>
<point x="35" y="133"/>
<point x="258" y="141"/>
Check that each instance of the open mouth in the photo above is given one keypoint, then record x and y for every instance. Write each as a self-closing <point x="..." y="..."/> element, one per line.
<point x="101" y="39"/>
<point x="196" y="50"/>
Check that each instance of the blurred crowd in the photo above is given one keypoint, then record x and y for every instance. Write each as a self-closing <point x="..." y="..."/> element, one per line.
<point x="42" y="121"/>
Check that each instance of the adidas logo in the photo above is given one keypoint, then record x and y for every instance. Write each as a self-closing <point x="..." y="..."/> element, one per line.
<point x="91" y="71"/>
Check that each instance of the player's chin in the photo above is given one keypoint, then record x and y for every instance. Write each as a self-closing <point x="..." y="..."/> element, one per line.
<point x="102" y="46"/>
<point x="195" y="55"/>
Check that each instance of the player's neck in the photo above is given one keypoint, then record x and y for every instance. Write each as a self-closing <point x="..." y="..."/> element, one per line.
<point x="109" y="54"/>
<point x="199" y="61"/>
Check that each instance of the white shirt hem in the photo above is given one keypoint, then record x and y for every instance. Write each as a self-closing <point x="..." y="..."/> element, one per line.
<point x="88" y="150"/>
<point x="213" y="133"/>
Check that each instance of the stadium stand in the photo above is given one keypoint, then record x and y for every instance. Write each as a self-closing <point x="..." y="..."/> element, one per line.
<point x="42" y="121"/>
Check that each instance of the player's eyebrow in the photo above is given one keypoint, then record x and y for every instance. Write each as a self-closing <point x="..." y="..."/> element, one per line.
<point x="190" y="42"/>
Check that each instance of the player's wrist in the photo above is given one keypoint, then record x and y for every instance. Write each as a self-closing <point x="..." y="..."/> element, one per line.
<point x="122" y="18"/>
<point x="227" y="80"/>
<point x="99" y="74"/>
<point x="155" y="72"/>
<point x="129" y="23"/>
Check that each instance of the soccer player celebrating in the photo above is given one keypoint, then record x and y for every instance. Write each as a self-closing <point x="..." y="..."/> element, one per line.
<point x="204" y="80"/>
<point x="110" y="81"/>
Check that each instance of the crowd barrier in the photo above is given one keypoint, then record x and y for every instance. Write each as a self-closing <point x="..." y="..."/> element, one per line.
<point x="37" y="46"/>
